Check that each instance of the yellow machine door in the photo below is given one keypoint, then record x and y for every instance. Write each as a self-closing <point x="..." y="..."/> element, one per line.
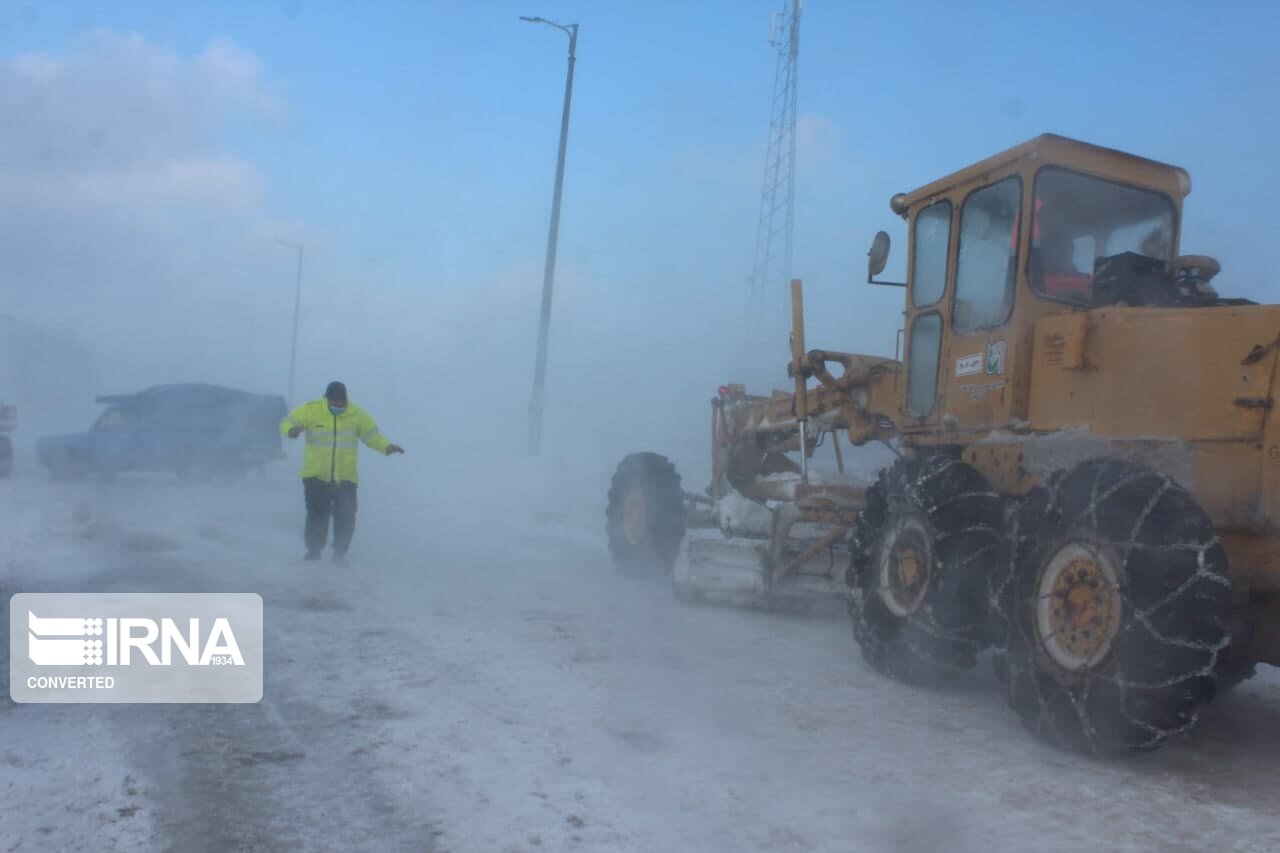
<point x="976" y="390"/>
<point x="926" y="310"/>
<point x="976" y="357"/>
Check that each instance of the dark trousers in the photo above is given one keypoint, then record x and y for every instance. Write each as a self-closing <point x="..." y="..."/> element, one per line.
<point x="325" y="500"/>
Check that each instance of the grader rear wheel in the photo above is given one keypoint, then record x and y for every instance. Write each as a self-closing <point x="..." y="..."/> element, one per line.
<point x="1078" y="603"/>
<point x="921" y="551"/>
<point x="645" y="518"/>
<point x="1113" y="610"/>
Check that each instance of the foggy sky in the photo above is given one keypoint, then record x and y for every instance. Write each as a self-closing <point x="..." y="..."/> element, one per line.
<point x="149" y="175"/>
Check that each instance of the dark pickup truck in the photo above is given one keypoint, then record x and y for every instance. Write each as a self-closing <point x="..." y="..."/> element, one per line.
<point x="194" y="430"/>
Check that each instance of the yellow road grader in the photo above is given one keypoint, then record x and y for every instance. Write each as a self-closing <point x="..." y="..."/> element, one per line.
<point x="1087" y="471"/>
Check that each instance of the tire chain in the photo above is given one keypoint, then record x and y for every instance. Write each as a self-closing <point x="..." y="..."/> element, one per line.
<point x="1176" y="609"/>
<point x="949" y="629"/>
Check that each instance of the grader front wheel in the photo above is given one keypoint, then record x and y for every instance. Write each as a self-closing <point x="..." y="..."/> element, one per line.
<point x="1114" y="609"/>
<point x="645" y="518"/>
<point x="921" y="551"/>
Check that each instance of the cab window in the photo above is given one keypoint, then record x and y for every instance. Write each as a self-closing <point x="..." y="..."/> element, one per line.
<point x="1078" y="220"/>
<point x="986" y="269"/>
<point x="112" y="420"/>
<point x="922" y="363"/>
<point x="929" y="246"/>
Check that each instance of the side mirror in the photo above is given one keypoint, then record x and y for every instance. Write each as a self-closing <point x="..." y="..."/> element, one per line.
<point x="877" y="258"/>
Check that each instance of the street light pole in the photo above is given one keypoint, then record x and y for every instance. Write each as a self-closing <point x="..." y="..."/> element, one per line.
<point x="297" y="304"/>
<point x="548" y="278"/>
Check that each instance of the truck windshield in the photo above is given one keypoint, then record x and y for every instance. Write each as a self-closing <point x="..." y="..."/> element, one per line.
<point x="1078" y="219"/>
<point x="112" y="419"/>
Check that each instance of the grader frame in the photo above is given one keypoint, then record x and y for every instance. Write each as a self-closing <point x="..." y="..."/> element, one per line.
<point x="1088" y="473"/>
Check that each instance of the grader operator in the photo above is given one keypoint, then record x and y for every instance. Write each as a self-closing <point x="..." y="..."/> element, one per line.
<point x="1087" y="474"/>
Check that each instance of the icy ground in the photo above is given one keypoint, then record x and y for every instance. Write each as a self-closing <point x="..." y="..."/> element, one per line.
<point x="481" y="680"/>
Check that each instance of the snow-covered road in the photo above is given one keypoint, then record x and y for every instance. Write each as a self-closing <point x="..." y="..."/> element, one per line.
<point x="481" y="680"/>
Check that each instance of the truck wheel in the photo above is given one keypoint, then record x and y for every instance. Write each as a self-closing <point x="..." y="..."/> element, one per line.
<point x="192" y="466"/>
<point x="64" y="466"/>
<point x="229" y="470"/>
<point x="922" y="549"/>
<point x="1114" y="609"/>
<point x="645" y="518"/>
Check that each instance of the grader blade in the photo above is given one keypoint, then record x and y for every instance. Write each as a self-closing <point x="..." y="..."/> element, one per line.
<point x="721" y="570"/>
<point x="714" y="569"/>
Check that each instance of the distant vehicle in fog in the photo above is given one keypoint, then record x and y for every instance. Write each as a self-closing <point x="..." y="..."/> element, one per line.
<point x="8" y="422"/>
<point x="194" y="430"/>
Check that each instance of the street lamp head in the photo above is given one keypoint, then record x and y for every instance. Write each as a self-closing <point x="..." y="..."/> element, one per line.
<point x="570" y="29"/>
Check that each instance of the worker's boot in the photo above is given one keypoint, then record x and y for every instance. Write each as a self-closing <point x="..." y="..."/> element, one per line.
<point x="312" y="554"/>
<point x="340" y="559"/>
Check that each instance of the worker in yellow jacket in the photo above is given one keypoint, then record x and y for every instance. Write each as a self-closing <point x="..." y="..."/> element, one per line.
<point x="333" y="426"/>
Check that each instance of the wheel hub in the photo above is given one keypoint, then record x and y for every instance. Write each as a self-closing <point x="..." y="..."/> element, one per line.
<point x="906" y="567"/>
<point x="1079" y="605"/>
<point x="635" y="518"/>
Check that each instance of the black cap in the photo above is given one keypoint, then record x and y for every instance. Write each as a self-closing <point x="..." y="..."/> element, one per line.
<point x="337" y="392"/>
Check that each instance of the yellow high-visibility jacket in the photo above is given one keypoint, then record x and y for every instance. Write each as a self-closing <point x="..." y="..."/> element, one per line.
<point x="332" y="448"/>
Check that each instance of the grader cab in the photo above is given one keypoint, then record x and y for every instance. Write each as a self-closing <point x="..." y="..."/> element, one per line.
<point x="1087" y="474"/>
